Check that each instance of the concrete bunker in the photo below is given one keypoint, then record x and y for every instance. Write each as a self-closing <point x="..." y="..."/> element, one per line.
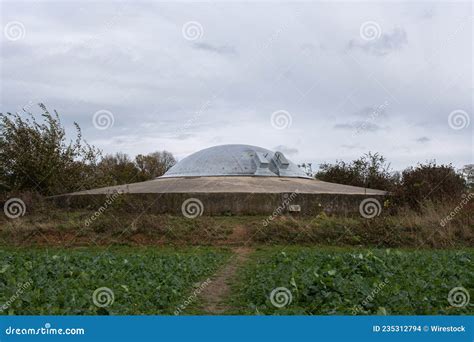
<point x="231" y="179"/>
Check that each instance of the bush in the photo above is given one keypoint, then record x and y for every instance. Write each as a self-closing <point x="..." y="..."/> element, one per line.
<point x="154" y="164"/>
<point x="121" y="169"/>
<point x="436" y="183"/>
<point x="36" y="156"/>
<point x="117" y="169"/>
<point x="412" y="187"/>
<point x="370" y="171"/>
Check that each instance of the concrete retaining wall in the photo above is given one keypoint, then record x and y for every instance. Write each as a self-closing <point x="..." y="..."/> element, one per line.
<point x="220" y="203"/>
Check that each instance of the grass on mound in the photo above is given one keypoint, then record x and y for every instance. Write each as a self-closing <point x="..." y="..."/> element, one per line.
<point x="62" y="282"/>
<point x="75" y="228"/>
<point x="327" y="281"/>
<point x="427" y="227"/>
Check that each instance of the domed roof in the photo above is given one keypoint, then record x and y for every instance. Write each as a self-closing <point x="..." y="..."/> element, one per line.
<point x="235" y="160"/>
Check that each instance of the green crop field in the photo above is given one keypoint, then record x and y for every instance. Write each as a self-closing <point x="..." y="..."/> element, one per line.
<point x="140" y="281"/>
<point x="273" y="280"/>
<point x="353" y="281"/>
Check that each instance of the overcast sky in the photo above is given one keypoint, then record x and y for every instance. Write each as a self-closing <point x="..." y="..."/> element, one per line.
<point x="318" y="81"/>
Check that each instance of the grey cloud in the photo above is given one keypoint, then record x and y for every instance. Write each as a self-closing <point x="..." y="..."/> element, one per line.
<point x="169" y="93"/>
<point x="312" y="48"/>
<point x="359" y="126"/>
<point x="371" y="111"/>
<point x="221" y="50"/>
<point x="423" y="139"/>
<point x="353" y="147"/>
<point x="388" y="42"/>
<point x="427" y="13"/>
<point x="286" y="150"/>
<point x="184" y="136"/>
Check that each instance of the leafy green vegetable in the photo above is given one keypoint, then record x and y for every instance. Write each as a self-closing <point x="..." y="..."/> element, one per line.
<point x="143" y="280"/>
<point x="333" y="281"/>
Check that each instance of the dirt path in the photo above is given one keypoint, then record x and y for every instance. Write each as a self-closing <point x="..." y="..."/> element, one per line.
<point x="218" y="290"/>
<point x="239" y="236"/>
<point x="214" y="294"/>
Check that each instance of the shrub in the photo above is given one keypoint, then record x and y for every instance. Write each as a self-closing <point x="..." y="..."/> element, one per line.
<point x="413" y="186"/>
<point x="154" y="164"/>
<point x="36" y="156"/>
<point x="121" y="169"/>
<point x="117" y="169"/>
<point x="370" y="171"/>
<point x="431" y="182"/>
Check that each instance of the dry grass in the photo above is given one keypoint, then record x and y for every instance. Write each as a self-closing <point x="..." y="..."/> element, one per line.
<point x="406" y="228"/>
<point x="71" y="229"/>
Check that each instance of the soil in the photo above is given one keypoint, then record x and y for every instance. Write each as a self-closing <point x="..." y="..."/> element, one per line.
<point x="215" y="294"/>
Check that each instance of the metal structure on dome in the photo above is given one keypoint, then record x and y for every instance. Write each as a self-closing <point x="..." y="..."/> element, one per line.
<point x="235" y="160"/>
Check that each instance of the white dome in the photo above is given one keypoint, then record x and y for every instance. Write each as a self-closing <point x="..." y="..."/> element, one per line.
<point x="235" y="160"/>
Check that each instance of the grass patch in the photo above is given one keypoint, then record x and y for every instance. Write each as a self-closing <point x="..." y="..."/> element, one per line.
<point x="428" y="227"/>
<point x="63" y="228"/>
